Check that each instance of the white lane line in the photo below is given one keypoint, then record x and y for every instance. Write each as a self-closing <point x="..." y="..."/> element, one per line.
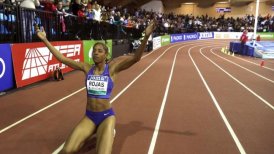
<point x="122" y="91"/>
<point x="49" y="106"/>
<point x="255" y="94"/>
<point x="271" y="69"/>
<point x="159" y="119"/>
<point x="234" y="136"/>
<point x="160" y="115"/>
<point x="41" y="110"/>
<point x="242" y="67"/>
<point x="61" y="146"/>
<point x="118" y="95"/>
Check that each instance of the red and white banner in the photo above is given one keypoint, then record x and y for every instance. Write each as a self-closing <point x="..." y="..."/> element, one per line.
<point x="34" y="62"/>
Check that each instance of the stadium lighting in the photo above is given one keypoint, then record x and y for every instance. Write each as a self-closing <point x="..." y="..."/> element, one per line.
<point x="188" y="3"/>
<point x="226" y="2"/>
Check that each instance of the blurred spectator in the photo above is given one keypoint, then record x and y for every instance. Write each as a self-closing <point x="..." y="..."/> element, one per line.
<point x="66" y="4"/>
<point x="75" y="7"/>
<point x="62" y="13"/>
<point x="28" y="18"/>
<point x="97" y="12"/>
<point x="48" y="5"/>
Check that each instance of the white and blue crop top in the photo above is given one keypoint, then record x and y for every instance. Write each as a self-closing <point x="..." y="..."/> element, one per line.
<point x="99" y="86"/>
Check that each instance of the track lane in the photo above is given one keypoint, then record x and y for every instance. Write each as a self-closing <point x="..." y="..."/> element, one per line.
<point x="30" y="97"/>
<point x="121" y="144"/>
<point x="121" y="81"/>
<point x="43" y="132"/>
<point x="191" y="114"/>
<point x="252" y="120"/>
<point x="245" y="64"/>
<point x="261" y="87"/>
<point x="24" y="101"/>
<point x="71" y="116"/>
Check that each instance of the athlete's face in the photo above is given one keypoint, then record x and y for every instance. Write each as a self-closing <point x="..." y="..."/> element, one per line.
<point x="99" y="55"/>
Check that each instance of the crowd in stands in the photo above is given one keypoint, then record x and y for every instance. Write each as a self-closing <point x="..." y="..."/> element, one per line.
<point x="90" y="10"/>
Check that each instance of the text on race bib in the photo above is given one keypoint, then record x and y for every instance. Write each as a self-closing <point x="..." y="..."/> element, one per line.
<point x="97" y="85"/>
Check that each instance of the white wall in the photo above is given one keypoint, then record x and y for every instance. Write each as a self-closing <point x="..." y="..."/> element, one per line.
<point x="156" y="6"/>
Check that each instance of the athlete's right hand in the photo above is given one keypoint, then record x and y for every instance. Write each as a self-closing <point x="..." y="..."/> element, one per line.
<point x="40" y="33"/>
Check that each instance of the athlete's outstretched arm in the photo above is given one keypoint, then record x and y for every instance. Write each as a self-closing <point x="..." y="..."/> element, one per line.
<point x="124" y="62"/>
<point x="60" y="57"/>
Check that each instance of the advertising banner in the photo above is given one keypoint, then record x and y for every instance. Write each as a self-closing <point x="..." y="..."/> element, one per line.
<point x="206" y="35"/>
<point x="6" y="68"/>
<point x="88" y="48"/>
<point x="156" y="42"/>
<point x="165" y="40"/>
<point x="267" y="35"/>
<point x="176" y="38"/>
<point x="190" y="36"/>
<point x="34" y="62"/>
<point x="231" y="35"/>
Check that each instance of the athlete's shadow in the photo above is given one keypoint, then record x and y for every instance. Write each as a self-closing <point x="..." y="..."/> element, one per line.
<point x="123" y="131"/>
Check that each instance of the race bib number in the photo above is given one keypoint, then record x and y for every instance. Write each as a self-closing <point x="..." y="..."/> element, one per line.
<point x="97" y="85"/>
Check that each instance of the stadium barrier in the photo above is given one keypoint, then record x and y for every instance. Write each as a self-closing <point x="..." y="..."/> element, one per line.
<point x="22" y="64"/>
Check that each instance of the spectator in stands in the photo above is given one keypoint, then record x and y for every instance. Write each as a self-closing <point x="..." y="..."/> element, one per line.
<point x="89" y="14"/>
<point x="97" y="32"/>
<point x="81" y="13"/>
<point x="97" y="12"/>
<point x="81" y="28"/>
<point x="66" y="4"/>
<point x="28" y="16"/>
<point x="48" y="5"/>
<point x="99" y="117"/>
<point x="90" y="5"/>
<point x="75" y="7"/>
<point x="62" y="13"/>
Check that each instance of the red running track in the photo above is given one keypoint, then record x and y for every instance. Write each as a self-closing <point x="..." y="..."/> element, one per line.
<point x="182" y="98"/>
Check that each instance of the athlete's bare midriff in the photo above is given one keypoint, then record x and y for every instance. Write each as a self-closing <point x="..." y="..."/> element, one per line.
<point x="98" y="105"/>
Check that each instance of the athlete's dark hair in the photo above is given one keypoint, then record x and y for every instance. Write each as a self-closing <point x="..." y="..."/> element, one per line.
<point x="103" y="44"/>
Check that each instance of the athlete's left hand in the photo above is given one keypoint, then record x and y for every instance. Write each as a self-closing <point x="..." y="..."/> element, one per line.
<point x="41" y="33"/>
<point x="151" y="27"/>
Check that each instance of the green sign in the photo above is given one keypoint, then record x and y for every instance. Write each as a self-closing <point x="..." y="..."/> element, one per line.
<point x="266" y="35"/>
<point x="165" y="40"/>
<point x="88" y="48"/>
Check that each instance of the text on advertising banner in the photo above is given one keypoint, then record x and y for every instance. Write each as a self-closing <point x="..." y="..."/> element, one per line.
<point x="165" y="40"/>
<point x="206" y="35"/>
<point x="190" y="36"/>
<point x="156" y="42"/>
<point x="176" y="38"/>
<point x="6" y="68"/>
<point x="34" y="62"/>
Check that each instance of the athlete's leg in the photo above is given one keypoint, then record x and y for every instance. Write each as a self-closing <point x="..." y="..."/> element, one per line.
<point x="105" y="136"/>
<point x="79" y="135"/>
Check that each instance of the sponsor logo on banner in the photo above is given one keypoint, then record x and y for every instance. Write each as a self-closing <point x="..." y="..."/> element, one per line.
<point x="6" y="68"/>
<point x="165" y="40"/>
<point x="206" y="35"/>
<point x="190" y="36"/>
<point x="156" y="42"/>
<point x="230" y="35"/>
<point x="37" y="63"/>
<point x="3" y="66"/>
<point x="267" y="35"/>
<point x="176" y="38"/>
